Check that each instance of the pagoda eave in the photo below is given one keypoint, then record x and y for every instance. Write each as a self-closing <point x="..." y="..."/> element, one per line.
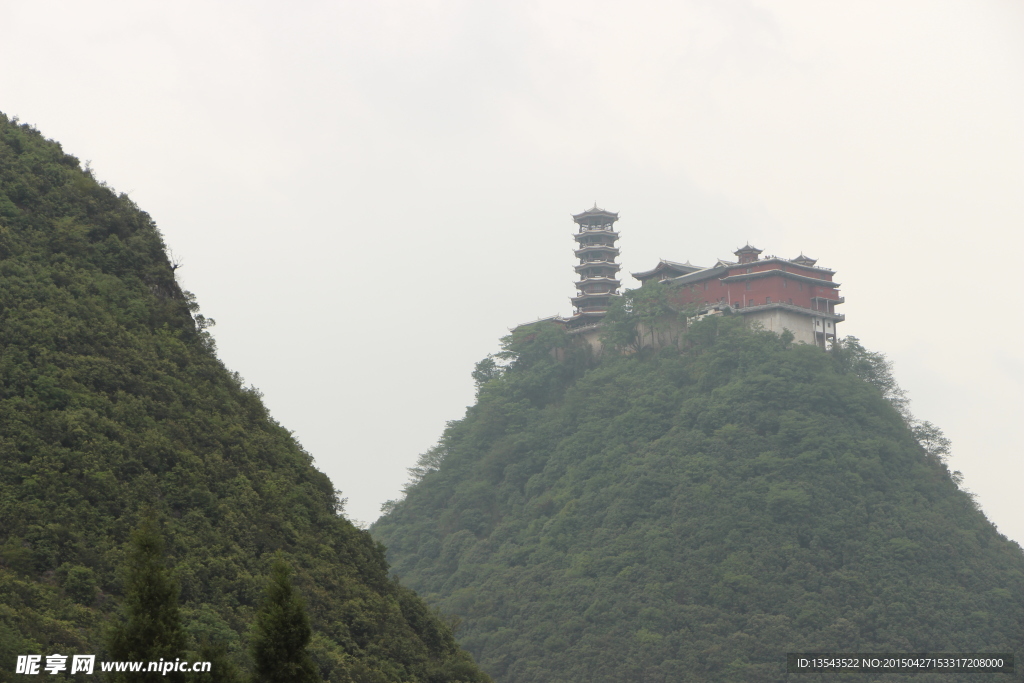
<point x="579" y="236"/>
<point x="598" y="281"/>
<point x="597" y="264"/>
<point x="596" y="247"/>
<point x="581" y="301"/>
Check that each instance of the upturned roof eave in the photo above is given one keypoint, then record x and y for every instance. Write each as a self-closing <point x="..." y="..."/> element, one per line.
<point x="595" y="247"/>
<point x="779" y="259"/>
<point x="667" y="265"/>
<point x="777" y="272"/>
<point x="604" y="233"/>
<point x="594" y="212"/>
<point x="699" y="276"/>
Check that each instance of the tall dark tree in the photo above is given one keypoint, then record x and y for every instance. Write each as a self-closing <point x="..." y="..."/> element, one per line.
<point x="150" y="626"/>
<point x="223" y="668"/>
<point x="282" y="633"/>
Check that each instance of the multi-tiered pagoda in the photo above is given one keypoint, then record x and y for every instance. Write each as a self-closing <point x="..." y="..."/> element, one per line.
<point x="597" y="269"/>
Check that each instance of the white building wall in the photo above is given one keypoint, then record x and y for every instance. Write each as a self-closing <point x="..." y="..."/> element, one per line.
<point x="670" y="330"/>
<point x="778" y="319"/>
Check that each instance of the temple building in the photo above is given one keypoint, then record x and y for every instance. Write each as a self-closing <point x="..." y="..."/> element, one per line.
<point x="666" y="270"/>
<point x="775" y="293"/>
<point x="780" y="294"/>
<point x="597" y="269"/>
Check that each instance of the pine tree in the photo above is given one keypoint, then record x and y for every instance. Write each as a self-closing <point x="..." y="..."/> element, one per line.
<point x="150" y="626"/>
<point x="223" y="668"/>
<point x="282" y="633"/>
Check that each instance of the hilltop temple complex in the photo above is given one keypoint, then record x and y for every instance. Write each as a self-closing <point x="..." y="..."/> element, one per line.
<point x="775" y="293"/>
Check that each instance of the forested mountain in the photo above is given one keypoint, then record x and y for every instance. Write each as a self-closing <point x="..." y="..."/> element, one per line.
<point x="114" y="407"/>
<point x="694" y="513"/>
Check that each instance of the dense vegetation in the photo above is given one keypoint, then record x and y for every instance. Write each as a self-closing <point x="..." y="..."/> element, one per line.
<point x="694" y="513"/>
<point x="113" y="406"/>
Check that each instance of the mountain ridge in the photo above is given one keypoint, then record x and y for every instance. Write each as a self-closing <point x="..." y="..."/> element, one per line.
<point x="695" y="514"/>
<point x="112" y="404"/>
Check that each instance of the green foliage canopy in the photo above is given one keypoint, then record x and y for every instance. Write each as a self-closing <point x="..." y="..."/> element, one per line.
<point x="694" y="514"/>
<point x="113" y="402"/>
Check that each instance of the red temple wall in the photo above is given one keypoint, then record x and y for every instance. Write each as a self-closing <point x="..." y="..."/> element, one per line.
<point x="779" y="288"/>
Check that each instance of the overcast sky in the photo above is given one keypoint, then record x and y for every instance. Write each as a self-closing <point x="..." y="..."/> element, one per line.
<point x="367" y="195"/>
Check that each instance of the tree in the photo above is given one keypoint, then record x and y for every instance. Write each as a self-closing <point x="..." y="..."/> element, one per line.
<point x="639" y="318"/>
<point x="485" y="371"/>
<point x="849" y="355"/>
<point x="529" y="345"/>
<point x="427" y="462"/>
<point x="222" y="668"/>
<point x="932" y="440"/>
<point x="150" y="626"/>
<point x="282" y="633"/>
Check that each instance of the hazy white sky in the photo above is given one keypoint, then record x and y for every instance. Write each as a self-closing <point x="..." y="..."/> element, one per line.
<point x="367" y="195"/>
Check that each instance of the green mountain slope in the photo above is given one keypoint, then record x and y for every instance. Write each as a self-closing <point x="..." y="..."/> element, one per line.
<point x="113" y="402"/>
<point x="694" y="515"/>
